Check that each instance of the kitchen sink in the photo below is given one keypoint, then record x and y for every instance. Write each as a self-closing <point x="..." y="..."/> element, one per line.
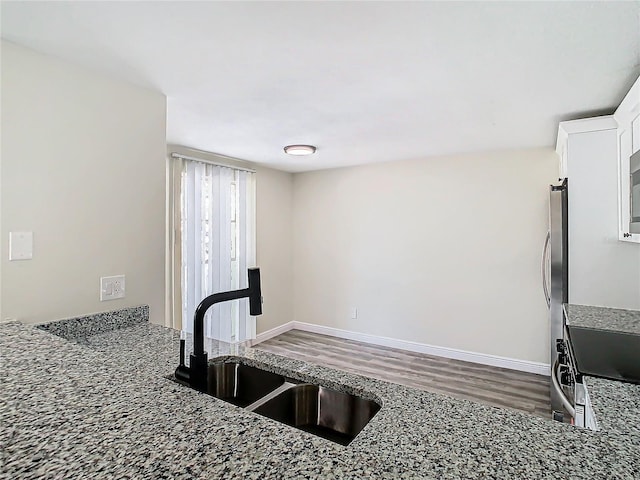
<point x="319" y="410"/>
<point x="327" y="413"/>
<point x="605" y="353"/>
<point x="241" y="384"/>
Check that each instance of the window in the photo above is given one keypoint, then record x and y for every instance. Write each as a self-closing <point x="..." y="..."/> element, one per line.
<point x="214" y="245"/>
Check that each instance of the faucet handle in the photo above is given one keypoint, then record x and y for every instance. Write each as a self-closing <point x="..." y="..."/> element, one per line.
<point x="182" y="347"/>
<point x="183" y="373"/>
<point x="255" y="292"/>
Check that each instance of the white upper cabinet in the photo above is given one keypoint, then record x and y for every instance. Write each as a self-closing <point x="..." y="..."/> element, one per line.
<point x="627" y="117"/>
<point x="569" y="159"/>
<point x="602" y="270"/>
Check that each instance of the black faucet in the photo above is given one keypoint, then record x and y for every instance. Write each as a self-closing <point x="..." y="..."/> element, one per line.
<point x="196" y="374"/>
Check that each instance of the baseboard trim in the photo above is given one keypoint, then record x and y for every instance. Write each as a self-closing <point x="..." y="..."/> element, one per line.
<point x="269" y="334"/>
<point x="446" y="352"/>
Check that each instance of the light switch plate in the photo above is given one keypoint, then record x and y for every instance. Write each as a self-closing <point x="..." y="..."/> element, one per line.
<point x="20" y="246"/>
<point x="112" y="288"/>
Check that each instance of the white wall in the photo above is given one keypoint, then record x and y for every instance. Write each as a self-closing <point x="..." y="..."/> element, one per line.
<point x="83" y="167"/>
<point x="274" y="232"/>
<point x="442" y="251"/>
<point x="603" y="271"/>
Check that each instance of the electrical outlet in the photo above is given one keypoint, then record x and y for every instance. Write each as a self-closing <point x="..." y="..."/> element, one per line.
<point x="354" y="312"/>
<point x="20" y="246"/>
<point x="112" y="288"/>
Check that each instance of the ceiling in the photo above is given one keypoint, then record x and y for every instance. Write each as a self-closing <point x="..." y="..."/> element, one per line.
<point x="363" y="81"/>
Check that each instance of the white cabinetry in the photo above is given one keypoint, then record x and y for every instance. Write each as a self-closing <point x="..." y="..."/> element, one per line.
<point x="627" y="117"/>
<point x="602" y="270"/>
<point x="566" y="136"/>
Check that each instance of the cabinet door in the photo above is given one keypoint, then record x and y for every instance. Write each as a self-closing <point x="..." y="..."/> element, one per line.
<point x="625" y="144"/>
<point x="635" y="133"/>
<point x="628" y="118"/>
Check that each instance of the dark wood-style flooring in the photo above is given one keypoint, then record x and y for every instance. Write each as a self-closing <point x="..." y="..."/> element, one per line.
<point x="496" y="386"/>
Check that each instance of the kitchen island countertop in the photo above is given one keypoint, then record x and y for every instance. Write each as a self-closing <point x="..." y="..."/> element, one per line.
<point x="101" y="406"/>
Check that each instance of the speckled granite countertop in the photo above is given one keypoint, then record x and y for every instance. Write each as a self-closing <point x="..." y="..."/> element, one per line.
<point x="606" y="395"/>
<point x="102" y="407"/>
<point x="602" y="318"/>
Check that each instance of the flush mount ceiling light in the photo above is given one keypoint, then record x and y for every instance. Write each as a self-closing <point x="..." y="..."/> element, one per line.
<point x="299" y="149"/>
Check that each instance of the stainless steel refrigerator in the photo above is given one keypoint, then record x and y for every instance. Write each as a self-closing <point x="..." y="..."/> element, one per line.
<point x="556" y="278"/>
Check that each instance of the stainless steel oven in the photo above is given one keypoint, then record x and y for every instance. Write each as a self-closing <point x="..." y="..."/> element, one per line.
<point x="569" y="385"/>
<point x="634" y="193"/>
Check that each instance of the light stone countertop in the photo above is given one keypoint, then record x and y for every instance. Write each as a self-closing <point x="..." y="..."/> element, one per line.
<point x="101" y="406"/>
<point x="603" y="318"/>
<point x="605" y="395"/>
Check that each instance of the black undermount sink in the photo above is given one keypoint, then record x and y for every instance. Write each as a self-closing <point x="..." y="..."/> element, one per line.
<point x="315" y="409"/>
<point x="327" y="413"/>
<point x="240" y="384"/>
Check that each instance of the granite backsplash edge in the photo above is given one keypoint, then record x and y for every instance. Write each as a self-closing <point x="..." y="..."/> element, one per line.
<point x="92" y="324"/>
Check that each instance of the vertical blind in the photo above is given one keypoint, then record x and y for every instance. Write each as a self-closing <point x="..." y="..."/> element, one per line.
<point x="217" y="237"/>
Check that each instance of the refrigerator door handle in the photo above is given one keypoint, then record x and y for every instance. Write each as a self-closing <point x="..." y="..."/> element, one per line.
<point x="545" y="276"/>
